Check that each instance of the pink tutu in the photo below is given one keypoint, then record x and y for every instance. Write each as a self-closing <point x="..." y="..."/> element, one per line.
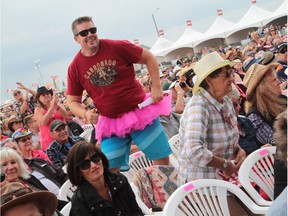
<point x="137" y="119"/>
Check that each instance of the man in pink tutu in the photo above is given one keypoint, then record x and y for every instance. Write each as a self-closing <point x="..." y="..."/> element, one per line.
<point x="104" y="68"/>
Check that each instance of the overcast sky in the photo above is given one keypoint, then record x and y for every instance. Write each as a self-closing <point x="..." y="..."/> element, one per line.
<point x="40" y="29"/>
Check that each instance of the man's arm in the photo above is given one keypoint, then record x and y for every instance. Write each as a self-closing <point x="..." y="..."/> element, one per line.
<point x="153" y="69"/>
<point x="75" y="105"/>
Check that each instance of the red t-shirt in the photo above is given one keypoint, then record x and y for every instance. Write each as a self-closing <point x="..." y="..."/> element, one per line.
<point x="108" y="77"/>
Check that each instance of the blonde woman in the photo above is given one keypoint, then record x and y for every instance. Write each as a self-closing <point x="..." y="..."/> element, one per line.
<point x="264" y="102"/>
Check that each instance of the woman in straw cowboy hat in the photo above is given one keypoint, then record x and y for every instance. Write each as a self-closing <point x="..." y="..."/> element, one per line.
<point x="208" y="127"/>
<point x="208" y="131"/>
<point x="263" y="100"/>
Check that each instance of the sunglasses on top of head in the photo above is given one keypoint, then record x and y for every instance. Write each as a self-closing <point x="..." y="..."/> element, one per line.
<point x="86" y="164"/>
<point x="85" y="32"/>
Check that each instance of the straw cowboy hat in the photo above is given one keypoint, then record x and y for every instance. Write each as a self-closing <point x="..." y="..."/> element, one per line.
<point x="16" y="193"/>
<point x="208" y="64"/>
<point x="11" y="121"/>
<point x="253" y="77"/>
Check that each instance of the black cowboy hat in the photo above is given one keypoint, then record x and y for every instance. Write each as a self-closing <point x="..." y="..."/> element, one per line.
<point x="42" y="90"/>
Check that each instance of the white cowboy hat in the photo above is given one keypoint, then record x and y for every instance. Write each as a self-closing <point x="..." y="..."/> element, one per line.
<point x="208" y="64"/>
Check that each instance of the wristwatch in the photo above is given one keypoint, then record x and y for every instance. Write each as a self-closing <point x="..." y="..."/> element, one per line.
<point x="225" y="164"/>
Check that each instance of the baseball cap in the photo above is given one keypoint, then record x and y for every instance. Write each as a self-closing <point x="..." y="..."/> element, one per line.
<point x="21" y="132"/>
<point x="55" y="124"/>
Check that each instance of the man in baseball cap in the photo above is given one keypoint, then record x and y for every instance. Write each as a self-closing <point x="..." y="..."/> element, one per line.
<point x="59" y="148"/>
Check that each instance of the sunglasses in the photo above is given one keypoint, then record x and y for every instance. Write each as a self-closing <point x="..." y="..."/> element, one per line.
<point x="283" y="51"/>
<point x="17" y="193"/>
<point x="17" y="93"/>
<point x="25" y="139"/>
<point x="84" y="33"/>
<point x="86" y="164"/>
<point x="228" y="73"/>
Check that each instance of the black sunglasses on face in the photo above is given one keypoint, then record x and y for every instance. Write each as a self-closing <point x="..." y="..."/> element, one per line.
<point x="17" y="93"/>
<point x="84" y="33"/>
<point x="283" y="51"/>
<point x="86" y="164"/>
<point x="20" y="192"/>
<point x="25" y="139"/>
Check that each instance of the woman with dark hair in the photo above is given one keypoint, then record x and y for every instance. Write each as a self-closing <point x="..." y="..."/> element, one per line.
<point x="49" y="108"/>
<point x="99" y="191"/>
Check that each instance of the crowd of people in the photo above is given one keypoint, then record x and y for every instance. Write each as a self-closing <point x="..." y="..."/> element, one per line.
<point x="223" y="104"/>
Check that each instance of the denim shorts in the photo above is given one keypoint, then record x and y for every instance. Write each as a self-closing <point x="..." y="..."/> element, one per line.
<point x="152" y="141"/>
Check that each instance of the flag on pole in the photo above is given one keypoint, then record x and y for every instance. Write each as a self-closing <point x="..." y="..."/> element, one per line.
<point x="161" y="32"/>
<point x="189" y="23"/>
<point x="253" y="1"/>
<point x="9" y="90"/>
<point x="55" y="77"/>
<point x="219" y="12"/>
<point x="34" y="84"/>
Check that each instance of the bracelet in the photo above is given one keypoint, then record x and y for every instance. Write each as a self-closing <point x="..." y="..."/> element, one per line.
<point x="179" y="92"/>
<point x="225" y="164"/>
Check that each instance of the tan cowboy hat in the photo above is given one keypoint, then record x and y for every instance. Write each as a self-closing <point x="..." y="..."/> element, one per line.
<point x="16" y="193"/>
<point x="253" y="77"/>
<point x="208" y="64"/>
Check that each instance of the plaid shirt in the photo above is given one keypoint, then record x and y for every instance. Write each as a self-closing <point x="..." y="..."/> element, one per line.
<point x="58" y="152"/>
<point x="264" y="132"/>
<point x="30" y="110"/>
<point x="205" y="133"/>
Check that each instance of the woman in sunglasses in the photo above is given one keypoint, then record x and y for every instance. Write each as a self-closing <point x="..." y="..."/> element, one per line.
<point x="49" y="108"/>
<point x="99" y="191"/>
<point x="208" y="127"/>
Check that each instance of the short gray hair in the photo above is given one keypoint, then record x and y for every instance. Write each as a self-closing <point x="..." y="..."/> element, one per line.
<point x="80" y="20"/>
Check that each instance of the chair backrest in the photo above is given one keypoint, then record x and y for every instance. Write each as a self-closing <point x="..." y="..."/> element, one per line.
<point x="87" y="134"/>
<point x="87" y="127"/>
<point x="67" y="190"/>
<point x="137" y="161"/>
<point x="206" y="197"/>
<point x="64" y="168"/>
<point x="258" y="168"/>
<point x="174" y="145"/>
<point x="65" y="211"/>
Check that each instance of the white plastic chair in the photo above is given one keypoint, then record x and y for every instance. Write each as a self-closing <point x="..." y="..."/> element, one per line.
<point x="86" y="134"/>
<point x="64" y="168"/>
<point x="206" y="197"/>
<point x="66" y="209"/>
<point x="137" y="160"/>
<point x="258" y="167"/>
<point x="174" y="145"/>
<point x="67" y="190"/>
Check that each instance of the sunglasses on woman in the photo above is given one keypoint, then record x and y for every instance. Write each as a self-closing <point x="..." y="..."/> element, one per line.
<point x="84" y="33"/>
<point x="17" y="93"/>
<point x="86" y="164"/>
<point x="228" y="73"/>
<point x="17" y="193"/>
<point x="25" y="139"/>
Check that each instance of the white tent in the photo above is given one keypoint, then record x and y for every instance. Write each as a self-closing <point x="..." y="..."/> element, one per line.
<point x="158" y="49"/>
<point x="187" y="38"/>
<point x="281" y="11"/>
<point x="216" y="31"/>
<point x="254" y="17"/>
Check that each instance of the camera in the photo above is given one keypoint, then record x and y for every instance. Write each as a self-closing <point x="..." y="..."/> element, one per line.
<point x="182" y="84"/>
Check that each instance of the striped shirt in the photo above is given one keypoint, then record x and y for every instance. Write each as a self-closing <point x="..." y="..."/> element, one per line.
<point x="205" y="132"/>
